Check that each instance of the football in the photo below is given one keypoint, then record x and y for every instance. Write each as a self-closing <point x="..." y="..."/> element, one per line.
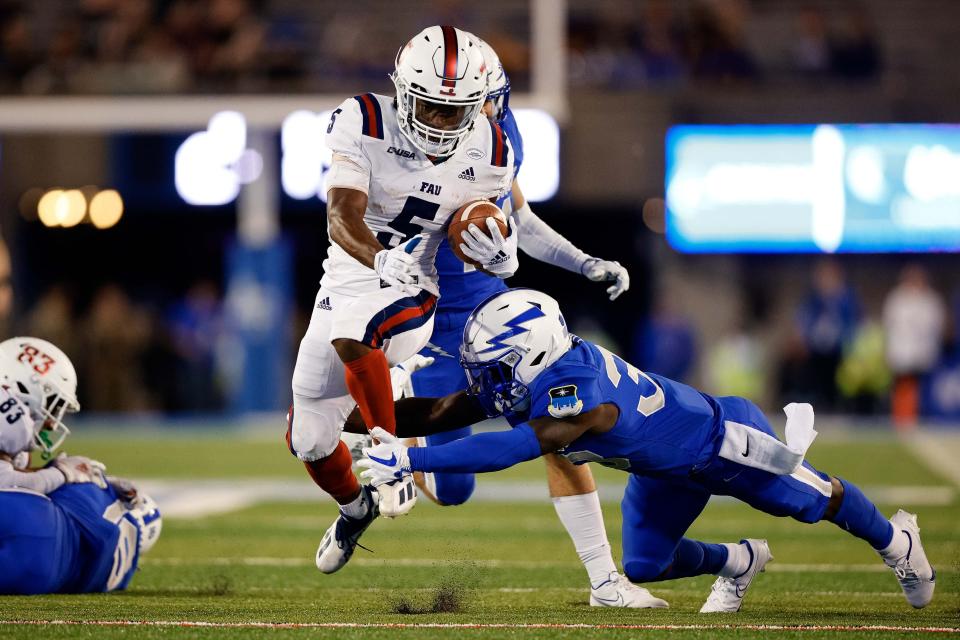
<point x="474" y="212"/>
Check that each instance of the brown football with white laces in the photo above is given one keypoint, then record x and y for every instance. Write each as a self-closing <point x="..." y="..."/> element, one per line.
<point x="474" y="212"/>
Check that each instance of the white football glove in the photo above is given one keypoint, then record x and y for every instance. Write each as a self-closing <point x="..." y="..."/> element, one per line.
<point x="396" y="266"/>
<point x="80" y="469"/>
<point x="21" y="461"/>
<point x="388" y="470"/>
<point x="401" y="376"/>
<point x="496" y="254"/>
<point x="386" y="460"/>
<point x="604" y="270"/>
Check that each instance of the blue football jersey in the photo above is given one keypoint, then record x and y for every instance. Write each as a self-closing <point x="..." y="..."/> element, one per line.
<point x="79" y="539"/>
<point x="461" y="286"/>
<point x="665" y="428"/>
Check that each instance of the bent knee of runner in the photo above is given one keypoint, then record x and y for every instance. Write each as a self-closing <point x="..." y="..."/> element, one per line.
<point x="314" y="434"/>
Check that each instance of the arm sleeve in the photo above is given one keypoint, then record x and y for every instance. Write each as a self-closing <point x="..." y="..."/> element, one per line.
<point x="478" y="453"/>
<point x="540" y="241"/>
<point x="350" y="167"/>
<point x="42" y="481"/>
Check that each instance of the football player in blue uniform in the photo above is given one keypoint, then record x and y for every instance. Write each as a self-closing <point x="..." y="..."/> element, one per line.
<point x="82" y="538"/>
<point x="65" y="527"/>
<point x="462" y="287"/>
<point x="679" y="445"/>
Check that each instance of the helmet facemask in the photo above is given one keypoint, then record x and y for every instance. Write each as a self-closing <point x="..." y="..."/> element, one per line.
<point x="50" y="431"/>
<point x="495" y="384"/>
<point x="416" y="110"/>
<point x="501" y="101"/>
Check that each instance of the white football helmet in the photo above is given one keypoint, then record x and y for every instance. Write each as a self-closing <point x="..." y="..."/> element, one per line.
<point x="498" y="84"/>
<point x="441" y="83"/>
<point x="508" y="340"/>
<point x="41" y="376"/>
<point x="147" y="515"/>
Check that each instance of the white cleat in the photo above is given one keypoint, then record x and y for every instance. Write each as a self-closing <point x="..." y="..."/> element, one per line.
<point x="620" y="592"/>
<point x="914" y="573"/>
<point x="726" y="595"/>
<point x="341" y="539"/>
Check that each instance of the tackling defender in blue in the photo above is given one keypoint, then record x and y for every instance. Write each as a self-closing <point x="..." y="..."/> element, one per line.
<point x="679" y="445"/>
<point x="462" y="287"/>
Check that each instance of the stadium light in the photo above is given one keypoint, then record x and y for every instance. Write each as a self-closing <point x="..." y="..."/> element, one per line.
<point x="305" y="157"/>
<point x="106" y="209"/>
<point x="205" y="165"/>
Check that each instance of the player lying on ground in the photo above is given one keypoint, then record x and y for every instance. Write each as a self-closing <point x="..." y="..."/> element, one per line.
<point x="462" y="288"/>
<point x="67" y="527"/>
<point x="82" y="538"/>
<point x="38" y="386"/>
<point x="681" y="446"/>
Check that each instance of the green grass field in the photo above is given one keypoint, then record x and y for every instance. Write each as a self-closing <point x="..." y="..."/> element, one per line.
<point x="497" y="562"/>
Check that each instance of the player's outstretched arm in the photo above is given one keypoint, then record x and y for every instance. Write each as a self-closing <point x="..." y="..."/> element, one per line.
<point x="482" y="452"/>
<point x="540" y="241"/>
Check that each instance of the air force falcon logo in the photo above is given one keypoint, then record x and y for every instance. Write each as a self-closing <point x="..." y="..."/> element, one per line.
<point x="564" y="401"/>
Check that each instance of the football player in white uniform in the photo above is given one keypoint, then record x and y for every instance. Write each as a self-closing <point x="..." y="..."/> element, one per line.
<point x="38" y="386"/>
<point x="392" y="184"/>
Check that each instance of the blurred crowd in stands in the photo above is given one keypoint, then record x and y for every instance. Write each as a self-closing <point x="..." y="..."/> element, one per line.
<point x="661" y="42"/>
<point x="249" y="46"/>
<point x="130" y="356"/>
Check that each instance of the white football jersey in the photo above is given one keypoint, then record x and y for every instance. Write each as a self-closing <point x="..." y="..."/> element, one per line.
<point x="407" y="194"/>
<point x="16" y="425"/>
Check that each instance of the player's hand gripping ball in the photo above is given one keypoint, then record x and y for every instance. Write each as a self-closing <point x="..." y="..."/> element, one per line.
<point x="476" y="213"/>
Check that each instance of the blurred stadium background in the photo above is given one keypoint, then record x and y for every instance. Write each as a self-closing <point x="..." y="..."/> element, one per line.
<point x="160" y="207"/>
<point x="174" y="252"/>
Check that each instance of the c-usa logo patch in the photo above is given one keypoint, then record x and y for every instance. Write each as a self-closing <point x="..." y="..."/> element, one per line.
<point x="475" y="154"/>
<point x="564" y="401"/>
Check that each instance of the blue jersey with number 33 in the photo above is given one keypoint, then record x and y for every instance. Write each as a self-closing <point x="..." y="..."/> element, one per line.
<point x="665" y="428"/>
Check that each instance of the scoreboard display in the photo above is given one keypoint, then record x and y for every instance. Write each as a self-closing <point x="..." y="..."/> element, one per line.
<point x="813" y="188"/>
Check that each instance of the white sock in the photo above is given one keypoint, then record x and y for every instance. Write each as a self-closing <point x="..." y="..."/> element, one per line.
<point x="357" y="508"/>
<point x="898" y="547"/>
<point x="738" y="560"/>
<point x="582" y="518"/>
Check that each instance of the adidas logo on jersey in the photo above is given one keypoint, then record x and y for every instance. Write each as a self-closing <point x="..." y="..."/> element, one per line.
<point x="325" y="305"/>
<point x="467" y="174"/>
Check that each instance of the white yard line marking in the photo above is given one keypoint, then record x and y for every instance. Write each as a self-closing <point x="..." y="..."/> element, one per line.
<point x="208" y="497"/>
<point x="470" y="625"/>
<point x="776" y="567"/>
<point x="938" y="451"/>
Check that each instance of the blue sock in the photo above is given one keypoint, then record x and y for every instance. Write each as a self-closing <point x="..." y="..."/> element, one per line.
<point x="695" y="558"/>
<point x="860" y="517"/>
